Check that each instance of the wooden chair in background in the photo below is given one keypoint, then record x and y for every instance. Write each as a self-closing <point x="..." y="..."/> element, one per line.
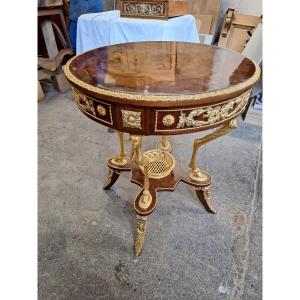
<point x="49" y="68"/>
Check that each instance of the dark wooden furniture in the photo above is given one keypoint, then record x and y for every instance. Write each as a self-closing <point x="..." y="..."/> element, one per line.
<point x="161" y="88"/>
<point x="153" y="9"/>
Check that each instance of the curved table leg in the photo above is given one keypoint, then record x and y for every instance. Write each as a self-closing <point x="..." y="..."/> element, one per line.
<point x="141" y="227"/>
<point x="204" y="195"/>
<point x="112" y="177"/>
<point x="120" y="159"/>
<point x="145" y="202"/>
<point x="196" y="174"/>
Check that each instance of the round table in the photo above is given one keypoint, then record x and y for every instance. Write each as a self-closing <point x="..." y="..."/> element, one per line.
<point x="161" y="88"/>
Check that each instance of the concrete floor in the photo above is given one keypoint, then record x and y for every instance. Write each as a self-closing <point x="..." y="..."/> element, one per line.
<point x="86" y="235"/>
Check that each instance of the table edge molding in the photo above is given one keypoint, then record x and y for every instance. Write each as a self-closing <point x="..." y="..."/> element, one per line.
<point x="167" y="98"/>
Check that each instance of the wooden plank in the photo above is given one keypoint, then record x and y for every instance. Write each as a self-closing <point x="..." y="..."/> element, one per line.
<point x="57" y="11"/>
<point x="54" y="63"/>
<point x="48" y="11"/>
<point x="41" y="95"/>
<point x="49" y="38"/>
<point x="43" y="75"/>
<point x="60" y="79"/>
<point x="62" y="82"/>
<point x="206" y="22"/>
<point x="198" y="24"/>
<point x="65" y="28"/>
<point x="207" y="7"/>
<point x="178" y="8"/>
<point x="49" y="3"/>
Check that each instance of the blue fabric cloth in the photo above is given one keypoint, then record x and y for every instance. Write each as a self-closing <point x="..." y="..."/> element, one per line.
<point x="77" y="8"/>
<point x="72" y="33"/>
<point x="108" y="28"/>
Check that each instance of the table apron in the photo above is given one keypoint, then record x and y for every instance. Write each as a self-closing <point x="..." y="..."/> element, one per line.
<point x="158" y="120"/>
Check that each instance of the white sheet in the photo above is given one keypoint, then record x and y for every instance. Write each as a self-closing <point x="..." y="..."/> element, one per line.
<point x="108" y="28"/>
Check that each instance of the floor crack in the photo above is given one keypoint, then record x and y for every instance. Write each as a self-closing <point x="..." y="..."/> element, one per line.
<point x="238" y="288"/>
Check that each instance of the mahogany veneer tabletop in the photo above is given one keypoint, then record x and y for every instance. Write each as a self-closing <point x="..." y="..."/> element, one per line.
<point x="161" y="88"/>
